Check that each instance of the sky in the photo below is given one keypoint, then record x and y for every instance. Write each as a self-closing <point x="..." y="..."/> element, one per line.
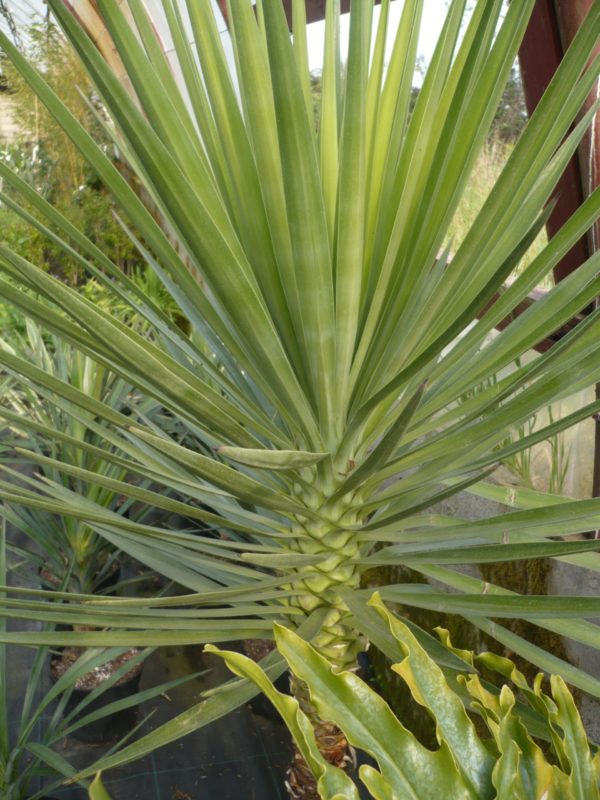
<point x="22" y="11"/>
<point x="433" y="16"/>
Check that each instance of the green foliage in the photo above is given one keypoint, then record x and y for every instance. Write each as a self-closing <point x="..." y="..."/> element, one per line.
<point x="505" y="765"/>
<point x="97" y="790"/>
<point x="555" y="461"/>
<point x="311" y="266"/>
<point x="69" y="551"/>
<point x="150" y="287"/>
<point x="511" y="116"/>
<point x="45" y="157"/>
<point x="27" y="739"/>
<point x="12" y="321"/>
<point x="490" y="163"/>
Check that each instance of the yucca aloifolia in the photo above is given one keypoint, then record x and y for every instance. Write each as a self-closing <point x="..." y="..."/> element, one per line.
<point x="335" y="347"/>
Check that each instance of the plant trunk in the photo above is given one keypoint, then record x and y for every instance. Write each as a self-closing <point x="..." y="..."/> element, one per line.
<point x="338" y="641"/>
<point x="332" y="743"/>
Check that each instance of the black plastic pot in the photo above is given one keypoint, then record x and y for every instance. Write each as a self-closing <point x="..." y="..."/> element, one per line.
<point x="47" y="797"/>
<point x="110" y="727"/>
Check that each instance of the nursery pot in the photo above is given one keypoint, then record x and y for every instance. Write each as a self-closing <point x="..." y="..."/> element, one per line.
<point x="112" y="726"/>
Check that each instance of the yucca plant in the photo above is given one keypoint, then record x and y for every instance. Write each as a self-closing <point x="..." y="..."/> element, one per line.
<point x="69" y="552"/>
<point x="328" y="412"/>
<point x="32" y="727"/>
<point x="506" y="765"/>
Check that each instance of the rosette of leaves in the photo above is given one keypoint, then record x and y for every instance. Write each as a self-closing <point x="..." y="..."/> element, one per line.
<point x="509" y="765"/>
<point x="324" y="413"/>
<point x="68" y="552"/>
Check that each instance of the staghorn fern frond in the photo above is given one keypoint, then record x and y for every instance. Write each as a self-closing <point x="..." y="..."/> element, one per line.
<point x="508" y="765"/>
<point x="97" y="790"/>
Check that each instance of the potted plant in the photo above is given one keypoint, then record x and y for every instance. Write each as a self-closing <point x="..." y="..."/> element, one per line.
<point x="329" y="412"/>
<point x="505" y="764"/>
<point x="51" y="710"/>
<point x="68" y="553"/>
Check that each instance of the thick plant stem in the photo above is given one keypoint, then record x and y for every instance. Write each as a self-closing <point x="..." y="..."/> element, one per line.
<point x="337" y="640"/>
<point x="317" y="587"/>
<point x="332" y="743"/>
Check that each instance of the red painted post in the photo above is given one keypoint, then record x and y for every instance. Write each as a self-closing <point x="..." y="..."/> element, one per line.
<point x="553" y="26"/>
<point x="571" y="14"/>
<point x="537" y="68"/>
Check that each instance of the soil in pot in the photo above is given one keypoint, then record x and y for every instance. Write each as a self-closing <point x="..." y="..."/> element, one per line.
<point x="111" y="727"/>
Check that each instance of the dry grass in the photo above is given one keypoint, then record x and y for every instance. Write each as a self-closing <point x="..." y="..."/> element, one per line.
<point x="487" y="170"/>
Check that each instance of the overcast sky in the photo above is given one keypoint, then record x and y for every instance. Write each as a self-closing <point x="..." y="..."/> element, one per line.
<point x="434" y="12"/>
<point x="433" y="17"/>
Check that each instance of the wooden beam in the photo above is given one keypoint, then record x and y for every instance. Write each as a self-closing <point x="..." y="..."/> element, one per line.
<point x="315" y="9"/>
<point x="571" y="14"/>
<point x="538" y="65"/>
<point x="552" y="27"/>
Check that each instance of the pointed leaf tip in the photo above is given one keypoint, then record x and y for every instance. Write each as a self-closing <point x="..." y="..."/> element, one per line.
<point x="271" y="459"/>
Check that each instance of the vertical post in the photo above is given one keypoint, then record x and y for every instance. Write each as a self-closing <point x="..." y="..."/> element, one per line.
<point x="315" y="9"/>
<point x="570" y="16"/>
<point x="540" y="54"/>
<point x="553" y="25"/>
